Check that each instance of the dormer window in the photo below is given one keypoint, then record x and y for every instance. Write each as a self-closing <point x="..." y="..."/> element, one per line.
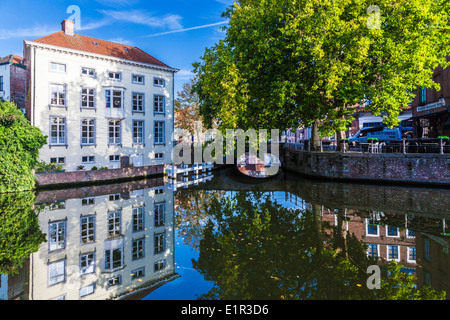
<point x="127" y="50"/>
<point x="94" y="43"/>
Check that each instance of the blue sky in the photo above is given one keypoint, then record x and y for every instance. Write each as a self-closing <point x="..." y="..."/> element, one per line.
<point x="174" y="31"/>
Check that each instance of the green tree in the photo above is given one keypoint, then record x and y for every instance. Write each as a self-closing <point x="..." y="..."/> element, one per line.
<point x="19" y="149"/>
<point x="315" y="60"/>
<point x="186" y="108"/>
<point x="20" y="234"/>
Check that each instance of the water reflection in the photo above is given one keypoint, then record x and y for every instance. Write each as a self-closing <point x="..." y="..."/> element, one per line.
<point x="104" y="244"/>
<point x="288" y="239"/>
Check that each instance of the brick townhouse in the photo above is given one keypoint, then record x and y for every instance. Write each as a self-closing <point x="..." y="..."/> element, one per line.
<point x="13" y="80"/>
<point x="431" y="108"/>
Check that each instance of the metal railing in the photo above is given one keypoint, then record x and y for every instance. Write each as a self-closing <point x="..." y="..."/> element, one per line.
<point x="405" y="146"/>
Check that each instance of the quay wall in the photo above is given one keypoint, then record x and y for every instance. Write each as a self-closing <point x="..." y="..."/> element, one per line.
<point x="58" y="179"/>
<point x="427" y="169"/>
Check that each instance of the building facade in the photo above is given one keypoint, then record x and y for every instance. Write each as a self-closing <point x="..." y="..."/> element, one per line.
<point x="431" y="108"/>
<point x="13" y="80"/>
<point x="99" y="102"/>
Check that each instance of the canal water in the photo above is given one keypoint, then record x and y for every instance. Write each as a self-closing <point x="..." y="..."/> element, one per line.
<point x="226" y="236"/>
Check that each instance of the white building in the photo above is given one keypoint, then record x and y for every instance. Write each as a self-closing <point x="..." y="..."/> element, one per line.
<point x="104" y="246"/>
<point x="99" y="101"/>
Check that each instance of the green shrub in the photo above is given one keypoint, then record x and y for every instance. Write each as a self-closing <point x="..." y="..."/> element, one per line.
<point x="19" y="149"/>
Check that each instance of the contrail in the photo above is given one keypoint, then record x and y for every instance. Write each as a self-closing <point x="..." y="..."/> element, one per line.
<point x="188" y="29"/>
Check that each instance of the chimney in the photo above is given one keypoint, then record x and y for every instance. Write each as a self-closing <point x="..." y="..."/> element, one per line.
<point x="68" y="27"/>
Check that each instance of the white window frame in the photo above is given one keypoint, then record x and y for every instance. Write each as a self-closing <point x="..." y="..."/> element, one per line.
<point x="408" y="252"/>
<point x="138" y="273"/>
<point x="114" y="223"/>
<point x="93" y="75"/>
<point x="138" y="102"/>
<point x="378" y="249"/>
<point x="138" y="139"/>
<point x="109" y="264"/>
<point x="138" y="82"/>
<point x="60" y="89"/>
<point x="56" y="272"/>
<point x="160" y="214"/>
<point x="138" y="244"/>
<point x="162" y="137"/>
<point x="138" y="216"/>
<point x="115" y="73"/>
<point x="159" y="107"/>
<point x="90" y="231"/>
<point x="159" y="265"/>
<point x="87" y="290"/>
<point x="398" y="231"/>
<point x="61" y="139"/>
<point x="58" y="160"/>
<point x="89" y="96"/>
<point x="58" y="67"/>
<point x="111" y="95"/>
<point x="157" y="82"/>
<point x="57" y="241"/>
<point x="89" y="258"/>
<point x="387" y="252"/>
<point x="114" y="158"/>
<point x="117" y="128"/>
<point x="89" y="201"/>
<point x="88" y="159"/>
<point x="157" y="157"/>
<point x="159" y="242"/>
<point x="367" y="229"/>
<point x="90" y="129"/>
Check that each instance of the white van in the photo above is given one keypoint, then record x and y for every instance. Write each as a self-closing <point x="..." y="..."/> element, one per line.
<point x="383" y="134"/>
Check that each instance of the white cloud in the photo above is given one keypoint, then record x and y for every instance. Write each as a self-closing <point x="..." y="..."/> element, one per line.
<point x="184" y="74"/>
<point x="30" y="32"/>
<point x="117" y="3"/>
<point x="188" y="29"/>
<point x="122" y="41"/>
<point x="171" y="21"/>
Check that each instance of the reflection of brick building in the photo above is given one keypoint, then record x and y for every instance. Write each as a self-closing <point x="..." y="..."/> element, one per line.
<point x="384" y="241"/>
<point x="433" y="262"/>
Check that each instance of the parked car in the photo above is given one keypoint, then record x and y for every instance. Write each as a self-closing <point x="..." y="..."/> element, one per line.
<point x="382" y="134"/>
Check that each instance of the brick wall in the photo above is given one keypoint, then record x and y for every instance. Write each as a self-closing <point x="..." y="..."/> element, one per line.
<point x="87" y="177"/>
<point x="19" y="88"/>
<point x="399" y="168"/>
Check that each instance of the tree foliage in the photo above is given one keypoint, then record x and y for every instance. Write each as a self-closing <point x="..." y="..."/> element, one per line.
<point x="20" y="233"/>
<point x="187" y="111"/>
<point x="282" y="61"/>
<point x="19" y="149"/>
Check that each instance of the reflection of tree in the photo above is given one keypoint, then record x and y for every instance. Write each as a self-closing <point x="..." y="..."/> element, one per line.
<point x="20" y="234"/>
<point x="191" y="213"/>
<point x="256" y="249"/>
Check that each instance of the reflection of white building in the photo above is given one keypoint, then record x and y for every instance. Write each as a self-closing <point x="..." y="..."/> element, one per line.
<point x="104" y="247"/>
<point x="98" y="101"/>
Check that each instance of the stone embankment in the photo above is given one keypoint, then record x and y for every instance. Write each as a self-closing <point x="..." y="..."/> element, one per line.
<point x="425" y="169"/>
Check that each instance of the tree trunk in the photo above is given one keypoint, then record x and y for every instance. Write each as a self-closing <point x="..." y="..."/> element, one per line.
<point x="315" y="136"/>
<point x="340" y="136"/>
